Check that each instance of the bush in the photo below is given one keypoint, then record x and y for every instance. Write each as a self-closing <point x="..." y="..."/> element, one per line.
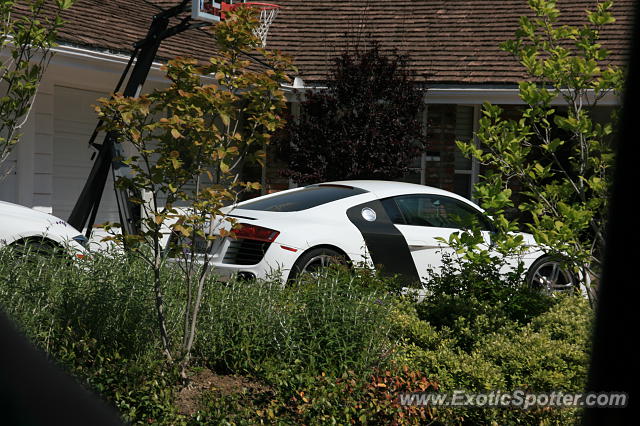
<point x="105" y="297"/>
<point x="346" y="399"/>
<point x="332" y="348"/>
<point x="480" y="329"/>
<point x="472" y="298"/>
<point x="139" y="386"/>
<point x="549" y="353"/>
<point x="94" y="318"/>
<point x="329" y="325"/>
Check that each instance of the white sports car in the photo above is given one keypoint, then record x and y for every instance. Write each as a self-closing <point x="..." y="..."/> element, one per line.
<point x="24" y="227"/>
<point x="390" y="224"/>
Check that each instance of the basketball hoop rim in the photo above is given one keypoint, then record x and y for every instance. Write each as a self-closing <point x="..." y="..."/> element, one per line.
<point x="259" y="5"/>
<point x="268" y="12"/>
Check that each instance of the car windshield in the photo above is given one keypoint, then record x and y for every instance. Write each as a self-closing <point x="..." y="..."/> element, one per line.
<point x="306" y="198"/>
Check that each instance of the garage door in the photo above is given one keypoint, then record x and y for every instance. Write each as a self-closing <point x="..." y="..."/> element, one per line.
<point x="74" y="121"/>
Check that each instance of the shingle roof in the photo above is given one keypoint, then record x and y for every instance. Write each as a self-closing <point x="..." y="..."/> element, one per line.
<point x="115" y="25"/>
<point x="449" y="41"/>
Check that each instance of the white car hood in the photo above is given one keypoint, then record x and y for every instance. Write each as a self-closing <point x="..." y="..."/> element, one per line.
<point x="22" y="212"/>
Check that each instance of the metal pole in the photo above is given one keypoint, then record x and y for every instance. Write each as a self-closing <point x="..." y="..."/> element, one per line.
<point x="111" y="151"/>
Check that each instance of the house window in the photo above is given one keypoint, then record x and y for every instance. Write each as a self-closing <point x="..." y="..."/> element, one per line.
<point x="443" y="165"/>
<point x="465" y="169"/>
<point x="416" y="173"/>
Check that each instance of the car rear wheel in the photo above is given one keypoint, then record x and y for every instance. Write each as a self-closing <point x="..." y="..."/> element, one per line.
<point x="549" y="275"/>
<point x="313" y="261"/>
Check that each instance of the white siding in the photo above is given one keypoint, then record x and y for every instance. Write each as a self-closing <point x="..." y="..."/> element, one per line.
<point x="41" y="155"/>
<point x="74" y="121"/>
<point x="9" y="180"/>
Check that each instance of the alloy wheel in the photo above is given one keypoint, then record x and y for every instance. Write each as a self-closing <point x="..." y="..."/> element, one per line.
<point x="550" y="276"/>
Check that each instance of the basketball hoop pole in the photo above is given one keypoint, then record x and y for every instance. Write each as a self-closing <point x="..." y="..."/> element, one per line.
<point x="110" y="152"/>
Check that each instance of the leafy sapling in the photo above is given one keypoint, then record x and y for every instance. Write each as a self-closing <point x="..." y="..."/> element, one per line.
<point x="558" y="155"/>
<point x="190" y="141"/>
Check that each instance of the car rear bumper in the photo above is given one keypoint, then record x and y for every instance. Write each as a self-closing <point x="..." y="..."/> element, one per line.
<point x="250" y="259"/>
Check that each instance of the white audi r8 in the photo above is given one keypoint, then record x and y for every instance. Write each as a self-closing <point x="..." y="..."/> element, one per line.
<point x="394" y="225"/>
<point x="23" y="227"/>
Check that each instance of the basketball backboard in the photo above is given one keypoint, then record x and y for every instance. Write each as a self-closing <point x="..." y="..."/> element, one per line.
<point x="213" y="12"/>
<point x="206" y="10"/>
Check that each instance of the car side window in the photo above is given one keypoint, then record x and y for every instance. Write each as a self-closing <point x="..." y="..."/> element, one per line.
<point x="438" y="211"/>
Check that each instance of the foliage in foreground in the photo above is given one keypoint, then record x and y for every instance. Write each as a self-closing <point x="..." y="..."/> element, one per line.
<point x="480" y="330"/>
<point x="475" y="296"/>
<point x="95" y="318"/>
<point x="549" y="353"/>
<point x="330" y="325"/>
<point x="219" y="116"/>
<point x="337" y="350"/>
<point x="561" y="157"/>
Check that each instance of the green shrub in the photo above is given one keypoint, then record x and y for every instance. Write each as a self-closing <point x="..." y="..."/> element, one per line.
<point x="473" y="298"/>
<point x="549" y="353"/>
<point x="328" y="325"/>
<point x="140" y="386"/>
<point x="95" y="319"/>
<point x="104" y="297"/>
<point x="326" y="399"/>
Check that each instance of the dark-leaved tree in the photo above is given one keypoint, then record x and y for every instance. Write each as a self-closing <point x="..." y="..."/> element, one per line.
<point x="365" y="125"/>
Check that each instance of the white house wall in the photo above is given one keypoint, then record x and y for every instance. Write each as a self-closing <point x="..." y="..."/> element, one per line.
<point x="58" y="130"/>
<point x="73" y="120"/>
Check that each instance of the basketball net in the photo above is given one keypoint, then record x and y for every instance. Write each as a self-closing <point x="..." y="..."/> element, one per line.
<point x="268" y="13"/>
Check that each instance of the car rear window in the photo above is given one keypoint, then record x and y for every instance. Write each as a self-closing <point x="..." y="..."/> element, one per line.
<point x="306" y="198"/>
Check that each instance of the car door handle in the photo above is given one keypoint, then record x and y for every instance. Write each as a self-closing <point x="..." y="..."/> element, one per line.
<point x="422" y="245"/>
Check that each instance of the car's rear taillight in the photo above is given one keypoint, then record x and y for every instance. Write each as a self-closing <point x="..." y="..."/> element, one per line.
<point x="254" y="232"/>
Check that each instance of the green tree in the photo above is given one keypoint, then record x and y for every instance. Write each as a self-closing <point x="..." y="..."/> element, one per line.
<point x="215" y="115"/>
<point x="559" y="156"/>
<point x="28" y="31"/>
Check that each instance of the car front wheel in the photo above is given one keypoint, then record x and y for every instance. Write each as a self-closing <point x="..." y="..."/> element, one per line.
<point x="549" y="275"/>
<point x="35" y="247"/>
